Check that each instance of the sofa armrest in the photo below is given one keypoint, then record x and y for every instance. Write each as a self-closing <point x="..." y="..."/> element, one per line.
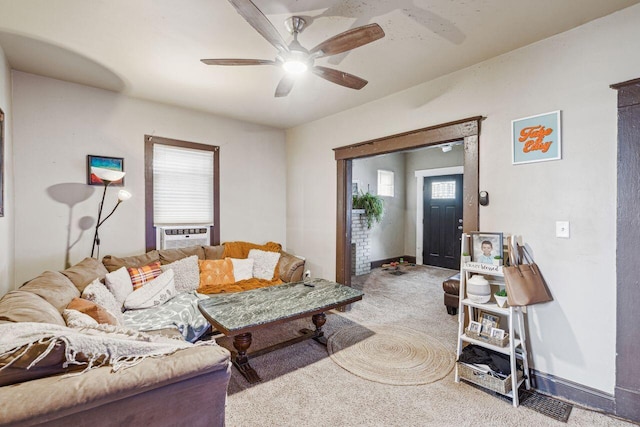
<point x="170" y="390"/>
<point x="291" y="267"/>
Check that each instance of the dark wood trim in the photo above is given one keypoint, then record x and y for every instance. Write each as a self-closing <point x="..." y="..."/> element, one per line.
<point x="627" y="389"/>
<point x="343" y="230"/>
<point x="467" y="129"/>
<point x="453" y="131"/>
<point x="149" y="141"/>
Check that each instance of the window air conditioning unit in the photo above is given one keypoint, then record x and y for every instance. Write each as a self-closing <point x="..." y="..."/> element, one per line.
<point x="183" y="236"/>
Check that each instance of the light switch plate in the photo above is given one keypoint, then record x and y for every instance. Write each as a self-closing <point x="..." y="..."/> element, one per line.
<point x="562" y="229"/>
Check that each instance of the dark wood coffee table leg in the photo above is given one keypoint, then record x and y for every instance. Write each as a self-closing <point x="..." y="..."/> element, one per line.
<point x="319" y="320"/>
<point x="241" y="361"/>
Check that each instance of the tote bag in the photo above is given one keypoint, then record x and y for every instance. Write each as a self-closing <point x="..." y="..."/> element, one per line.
<point x="524" y="282"/>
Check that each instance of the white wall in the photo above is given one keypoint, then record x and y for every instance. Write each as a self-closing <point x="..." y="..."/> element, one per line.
<point x="6" y="222"/>
<point x="572" y="337"/>
<point x="387" y="236"/>
<point x="57" y="124"/>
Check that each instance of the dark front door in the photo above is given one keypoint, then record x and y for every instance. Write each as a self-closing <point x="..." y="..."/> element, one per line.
<point x="442" y="223"/>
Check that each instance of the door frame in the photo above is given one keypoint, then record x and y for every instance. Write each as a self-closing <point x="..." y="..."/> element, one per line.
<point x="466" y="129"/>
<point x="420" y="176"/>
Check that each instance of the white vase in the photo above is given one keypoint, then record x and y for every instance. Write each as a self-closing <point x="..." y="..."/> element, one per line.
<point x="478" y="289"/>
<point x="501" y="301"/>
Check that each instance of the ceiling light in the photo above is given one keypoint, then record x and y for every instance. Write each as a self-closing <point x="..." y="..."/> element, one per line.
<point x="294" y="66"/>
<point x="447" y="148"/>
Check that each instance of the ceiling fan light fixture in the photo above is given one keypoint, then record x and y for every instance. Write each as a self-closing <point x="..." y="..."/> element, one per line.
<point x="294" y="66"/>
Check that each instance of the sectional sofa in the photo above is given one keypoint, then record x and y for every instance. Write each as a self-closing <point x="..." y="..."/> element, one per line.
<point x="185" y="387"/>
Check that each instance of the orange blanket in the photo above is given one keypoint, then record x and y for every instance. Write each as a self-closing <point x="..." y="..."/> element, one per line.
<point x="241" y="250"/>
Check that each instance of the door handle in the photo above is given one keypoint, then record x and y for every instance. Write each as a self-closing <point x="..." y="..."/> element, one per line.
<point x="460" y="221"/>
<point x="459" y="227"/>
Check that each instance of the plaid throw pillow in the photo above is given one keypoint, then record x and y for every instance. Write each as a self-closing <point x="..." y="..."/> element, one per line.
<point x="144" y="274"/>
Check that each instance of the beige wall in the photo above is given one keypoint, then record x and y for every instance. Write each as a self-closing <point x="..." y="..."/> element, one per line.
<point x="57" y="124"/>
<point x="6" y="222"/>
<point x="572" y="337"/>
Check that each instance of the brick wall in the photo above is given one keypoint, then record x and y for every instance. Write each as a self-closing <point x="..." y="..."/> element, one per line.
<point x="360" y="244"/>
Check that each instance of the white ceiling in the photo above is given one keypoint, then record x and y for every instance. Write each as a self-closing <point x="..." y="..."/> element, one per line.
<point x="151" y="49"/>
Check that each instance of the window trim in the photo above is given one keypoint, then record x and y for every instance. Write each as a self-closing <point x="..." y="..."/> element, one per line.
<point x="149" y="141"/>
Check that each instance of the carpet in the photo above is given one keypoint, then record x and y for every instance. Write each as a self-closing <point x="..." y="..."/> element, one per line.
<point x="390" y="354"/>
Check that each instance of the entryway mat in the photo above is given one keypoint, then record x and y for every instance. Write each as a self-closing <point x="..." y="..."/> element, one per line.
<point x="397" y="272"/>
<point x="546" y="405"/>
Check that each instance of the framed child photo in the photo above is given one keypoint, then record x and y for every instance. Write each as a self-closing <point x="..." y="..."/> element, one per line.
<point x="486" y="246"/>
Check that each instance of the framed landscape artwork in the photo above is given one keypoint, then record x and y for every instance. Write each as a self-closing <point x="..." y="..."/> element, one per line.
<point x="115" y="163"/>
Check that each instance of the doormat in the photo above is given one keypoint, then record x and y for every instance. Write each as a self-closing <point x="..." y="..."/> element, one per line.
<point x="397" y="272"/>
<point x="546" y="405"/>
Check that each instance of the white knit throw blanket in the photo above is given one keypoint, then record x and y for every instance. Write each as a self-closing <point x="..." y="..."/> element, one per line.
<point x="92" y="346"/>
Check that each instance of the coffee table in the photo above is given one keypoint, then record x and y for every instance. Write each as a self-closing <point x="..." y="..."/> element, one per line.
<point x="241" y="313"/>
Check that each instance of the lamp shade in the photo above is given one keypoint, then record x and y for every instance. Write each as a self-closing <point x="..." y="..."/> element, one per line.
<point x="107" y="174"/>
<point x="123" y="195"/>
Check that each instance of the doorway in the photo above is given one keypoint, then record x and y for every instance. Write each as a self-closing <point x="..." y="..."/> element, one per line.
<point x="467" y="130"/>
<point x="442" y="208"/>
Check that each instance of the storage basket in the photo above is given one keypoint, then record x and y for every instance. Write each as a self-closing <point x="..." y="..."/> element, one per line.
<point x="488" y="339"/>
<point x="484" y="379"/>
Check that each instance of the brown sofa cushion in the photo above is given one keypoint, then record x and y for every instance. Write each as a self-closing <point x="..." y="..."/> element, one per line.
<point x="54" y="287"/>
<point x="214" y="252"/>
<point x="167" y="256"/>
<point x="85" y="272"/>
<point x="288" y="265"/>
<point x="112" y="263"/>
<point x="90" y="308"/>
<point x="22" y="306"/>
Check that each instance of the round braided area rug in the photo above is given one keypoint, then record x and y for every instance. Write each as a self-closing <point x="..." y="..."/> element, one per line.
<point x="390" y="354"/>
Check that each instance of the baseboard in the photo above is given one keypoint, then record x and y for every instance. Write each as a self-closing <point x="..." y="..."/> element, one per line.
<point x="405" y="258"/>
<point x="578" y="393"/>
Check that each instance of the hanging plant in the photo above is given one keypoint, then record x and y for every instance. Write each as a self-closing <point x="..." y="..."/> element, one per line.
<point x="372" y="205"/>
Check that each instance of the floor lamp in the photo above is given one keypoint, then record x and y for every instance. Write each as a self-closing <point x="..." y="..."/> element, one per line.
<point x="107" y="176"/>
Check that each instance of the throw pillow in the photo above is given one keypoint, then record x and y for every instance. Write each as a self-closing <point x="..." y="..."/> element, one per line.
<point x="98" y="293"/>
<point x="216" y="272"/>
<point x="77" y="319"/>
<point x="156" y="292"/>
<point x="242" y="268"/>
<point x="186" y="273"/>
<point x="144" y="274"/>
<point x="100" y="314"/>
<point x="119" y="283"/>
<point x="264" y="264"/>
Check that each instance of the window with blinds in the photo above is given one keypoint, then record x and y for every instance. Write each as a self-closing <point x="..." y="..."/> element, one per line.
<point x="183" y="187"/>
<point x="385" y="183"/>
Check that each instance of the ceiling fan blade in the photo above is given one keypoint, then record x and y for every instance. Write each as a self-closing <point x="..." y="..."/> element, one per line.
<point x="260" y="23"/>
<point x="339" y="77"/>
<point x="285" y="86"/>
<point x="348" y="40"/>
<point x="238" y="61"/>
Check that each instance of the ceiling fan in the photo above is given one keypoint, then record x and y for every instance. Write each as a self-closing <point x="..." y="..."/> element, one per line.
<point x="294" y="58"/>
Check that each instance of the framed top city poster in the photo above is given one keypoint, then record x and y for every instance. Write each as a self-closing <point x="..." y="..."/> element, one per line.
<point x="536" y="138"/>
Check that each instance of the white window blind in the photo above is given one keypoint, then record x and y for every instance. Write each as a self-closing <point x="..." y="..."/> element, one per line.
<point x="182" y="186"/>
<point x="385" y="183"/>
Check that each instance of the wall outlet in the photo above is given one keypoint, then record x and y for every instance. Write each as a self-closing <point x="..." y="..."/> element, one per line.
<point x="562" y="229"/>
